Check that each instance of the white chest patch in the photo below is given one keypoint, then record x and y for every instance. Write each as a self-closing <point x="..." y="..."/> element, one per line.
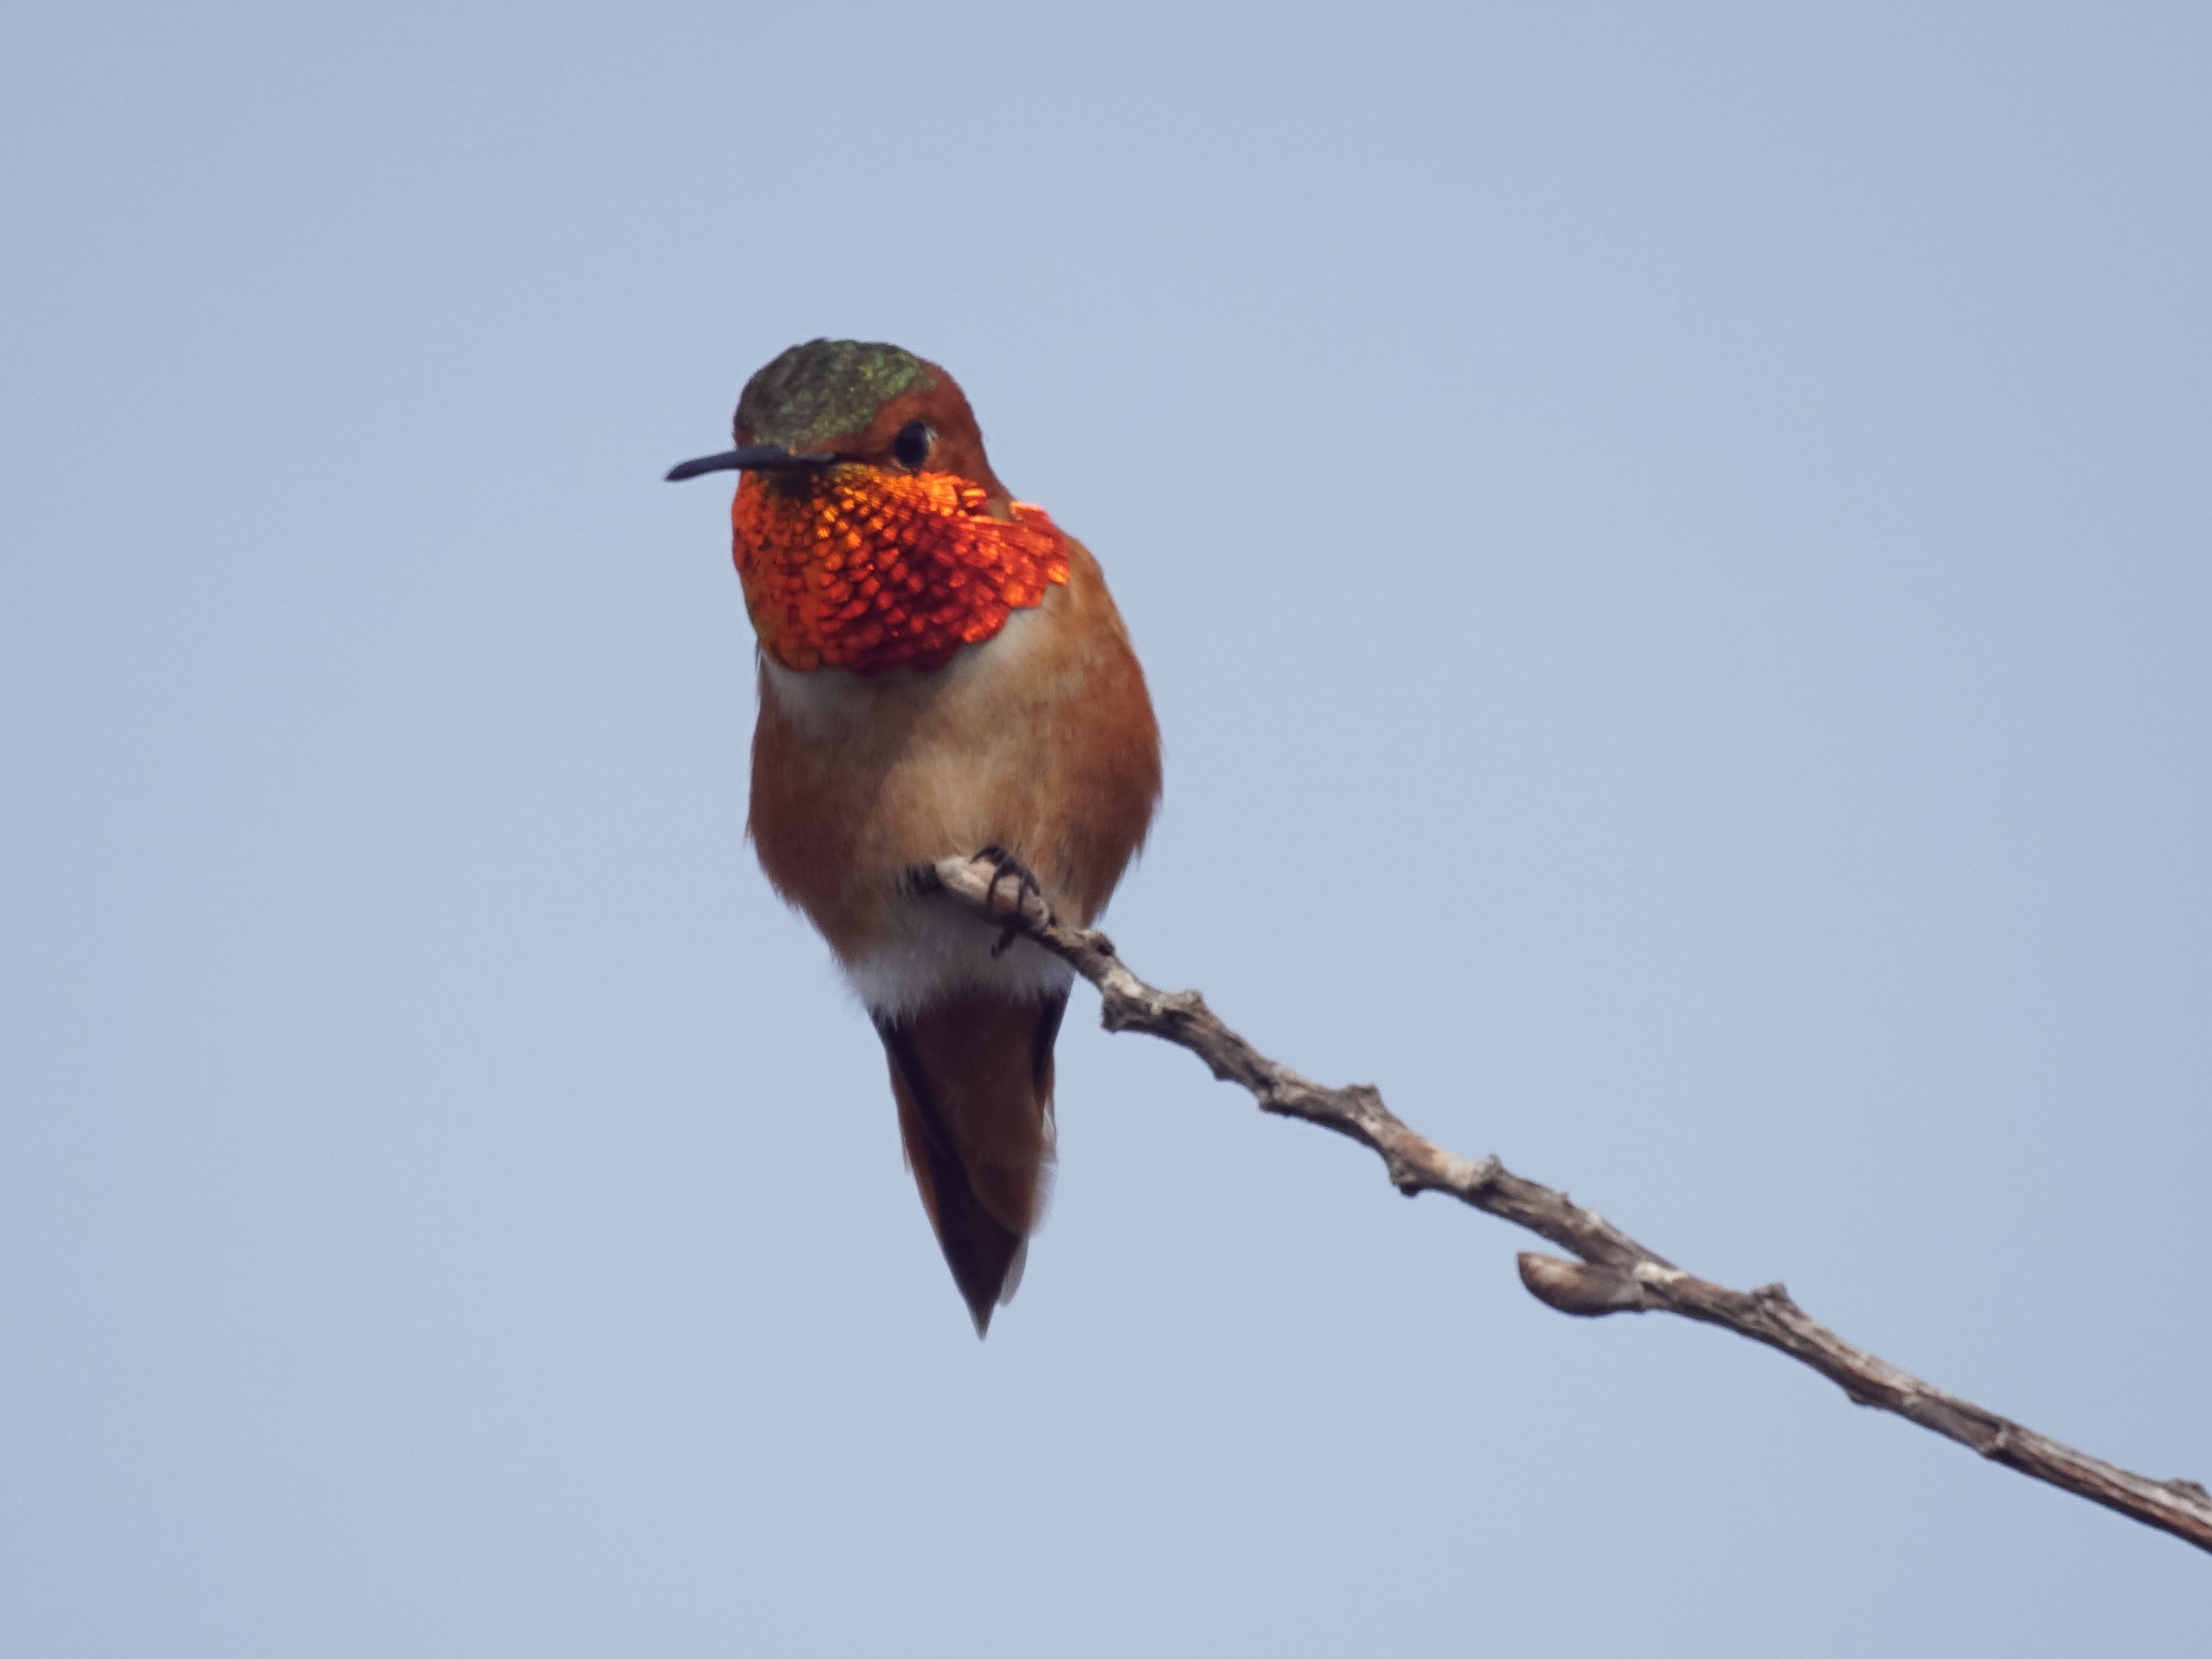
<point x="830" y="701"/>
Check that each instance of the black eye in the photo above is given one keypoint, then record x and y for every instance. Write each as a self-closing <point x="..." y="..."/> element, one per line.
<point x="911" y="447"/>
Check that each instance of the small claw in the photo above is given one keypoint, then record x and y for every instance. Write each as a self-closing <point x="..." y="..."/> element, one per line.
<point x="1001" y="861"/>
<point x="1004" y="864"/>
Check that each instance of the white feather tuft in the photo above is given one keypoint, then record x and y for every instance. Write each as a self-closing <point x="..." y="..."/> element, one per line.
<point x="939" y="950"/>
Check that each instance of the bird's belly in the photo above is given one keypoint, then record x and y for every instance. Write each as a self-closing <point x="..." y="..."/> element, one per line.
<point x="1038" y="741"/>
<point x="867" y="778"/>
<point x="933" y="950"/>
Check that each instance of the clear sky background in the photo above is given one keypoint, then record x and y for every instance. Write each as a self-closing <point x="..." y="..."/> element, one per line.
<point x="1670" y="546"/>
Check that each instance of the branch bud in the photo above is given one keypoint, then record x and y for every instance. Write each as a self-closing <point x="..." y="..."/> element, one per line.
<point x="1581" y="1288"/>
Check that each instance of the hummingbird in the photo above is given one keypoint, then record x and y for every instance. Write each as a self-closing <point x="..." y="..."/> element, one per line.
<point x="942" y="673"/>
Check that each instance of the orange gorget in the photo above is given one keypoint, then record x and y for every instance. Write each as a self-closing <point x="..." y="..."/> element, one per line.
<point x="856" y="567"/>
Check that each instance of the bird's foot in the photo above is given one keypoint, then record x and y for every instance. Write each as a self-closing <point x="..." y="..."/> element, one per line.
<point x="1004" y="865"/>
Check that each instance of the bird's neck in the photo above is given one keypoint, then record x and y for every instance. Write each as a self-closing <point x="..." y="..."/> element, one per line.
<point x="859" y="568"/>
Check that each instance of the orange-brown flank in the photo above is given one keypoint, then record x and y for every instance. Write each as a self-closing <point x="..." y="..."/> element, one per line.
<point x="856" y="568"/>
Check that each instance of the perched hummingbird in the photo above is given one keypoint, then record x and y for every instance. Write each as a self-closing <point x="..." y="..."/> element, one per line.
<point x="942" y="673"/>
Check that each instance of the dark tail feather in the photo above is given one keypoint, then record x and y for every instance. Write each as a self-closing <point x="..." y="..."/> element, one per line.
<point x="972" y="1079"/>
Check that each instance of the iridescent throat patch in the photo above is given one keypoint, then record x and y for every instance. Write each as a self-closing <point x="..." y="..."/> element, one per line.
<point x="856" y="567"/>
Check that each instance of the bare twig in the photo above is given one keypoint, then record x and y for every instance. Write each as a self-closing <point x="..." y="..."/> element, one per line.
<point x="1615" y="1274"/>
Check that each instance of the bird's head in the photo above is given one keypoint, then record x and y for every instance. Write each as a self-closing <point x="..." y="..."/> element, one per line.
<point x="870" y="533"/>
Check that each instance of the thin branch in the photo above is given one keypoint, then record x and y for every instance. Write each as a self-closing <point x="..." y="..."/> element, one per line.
<point x="1614" y="1273"/>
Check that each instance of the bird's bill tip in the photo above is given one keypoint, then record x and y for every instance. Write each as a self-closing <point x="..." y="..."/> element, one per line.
<point x="753" y="457"/>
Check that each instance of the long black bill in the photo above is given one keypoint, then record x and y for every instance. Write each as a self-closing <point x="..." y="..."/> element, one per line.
<point x="756" y="457"/>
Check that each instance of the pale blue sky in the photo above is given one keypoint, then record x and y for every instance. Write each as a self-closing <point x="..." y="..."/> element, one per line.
<point x="1671" y="546"/>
